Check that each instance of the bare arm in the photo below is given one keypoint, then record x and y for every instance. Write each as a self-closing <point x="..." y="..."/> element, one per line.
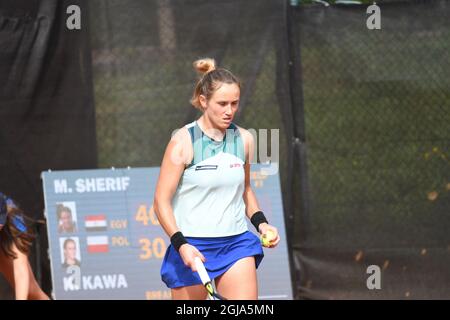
<point x="172" y="167"/>
<point x="178" y="154"/>
<point x="35" y="292"/>
<point x="21" y="274"/>
<point x="251" y="203"/>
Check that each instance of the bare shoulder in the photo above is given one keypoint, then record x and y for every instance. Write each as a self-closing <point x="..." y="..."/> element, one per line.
<point x="249" y="144"/>
<point x="19" y="254"/>
<point x="180" y="135"/>
<point x="181" y="146"/>
<point x="247" y="137"/>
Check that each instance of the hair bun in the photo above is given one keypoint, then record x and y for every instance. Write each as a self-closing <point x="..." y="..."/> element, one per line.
<point x="204" y="66"/>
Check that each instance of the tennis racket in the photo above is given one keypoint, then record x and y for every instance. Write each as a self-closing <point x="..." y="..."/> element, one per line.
<point x="212" y="294"/>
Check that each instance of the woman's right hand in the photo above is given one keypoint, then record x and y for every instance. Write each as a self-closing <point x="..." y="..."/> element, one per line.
<point x="188" y="253"/>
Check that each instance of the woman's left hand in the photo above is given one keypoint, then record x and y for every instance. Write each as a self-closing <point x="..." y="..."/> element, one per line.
<point x="266" y="230"/>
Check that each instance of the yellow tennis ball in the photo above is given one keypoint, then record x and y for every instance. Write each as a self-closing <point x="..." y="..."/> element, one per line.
<point x="267" y="238"/>
<point x="264" y="241"/>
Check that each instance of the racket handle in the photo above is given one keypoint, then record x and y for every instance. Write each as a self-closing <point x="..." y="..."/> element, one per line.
<point x="201" y="270"/>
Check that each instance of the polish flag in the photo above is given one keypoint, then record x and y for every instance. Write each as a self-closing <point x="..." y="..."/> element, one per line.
<point x="96" y="244"/>
<point x="95" y="222"/>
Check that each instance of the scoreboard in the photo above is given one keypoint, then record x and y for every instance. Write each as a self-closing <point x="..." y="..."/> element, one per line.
<point x="105" y="241"/>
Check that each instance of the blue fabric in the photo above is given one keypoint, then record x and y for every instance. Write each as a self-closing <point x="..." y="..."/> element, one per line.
<point x="18" y="220"/>
<point x="220" y="253"/>
<point x="10" y="203"/>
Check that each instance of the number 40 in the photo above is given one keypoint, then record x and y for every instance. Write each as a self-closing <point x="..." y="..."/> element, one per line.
<point x="143" y="215"/>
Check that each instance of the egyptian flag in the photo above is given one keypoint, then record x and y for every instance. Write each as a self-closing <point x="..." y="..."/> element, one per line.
<point x="97" y="244"/>
<point x="95" y="223"/>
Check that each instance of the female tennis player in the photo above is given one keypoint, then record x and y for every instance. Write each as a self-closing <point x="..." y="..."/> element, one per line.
<point x="203" y="195"/>
<point x="15" y="243"/>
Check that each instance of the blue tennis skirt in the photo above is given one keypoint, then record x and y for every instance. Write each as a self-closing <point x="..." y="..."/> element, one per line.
<point x="220" y="253"/>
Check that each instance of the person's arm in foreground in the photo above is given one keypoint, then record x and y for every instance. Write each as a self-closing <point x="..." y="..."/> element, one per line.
<point x="21" y="274"/>
<point x="250" y="200"/>
<point x="172" y="168"/>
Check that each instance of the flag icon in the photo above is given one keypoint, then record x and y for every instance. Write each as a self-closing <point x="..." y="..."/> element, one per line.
<point x="97" y="244"/>
<point x="95" y="222"/>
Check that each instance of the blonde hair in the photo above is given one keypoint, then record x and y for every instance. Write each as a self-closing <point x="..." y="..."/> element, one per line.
<point x="211" y="78"/>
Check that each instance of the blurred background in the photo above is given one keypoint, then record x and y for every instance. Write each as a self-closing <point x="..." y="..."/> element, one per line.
<point x="363" y="117"/>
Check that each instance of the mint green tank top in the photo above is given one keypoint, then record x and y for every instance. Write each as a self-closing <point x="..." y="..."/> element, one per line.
<point x="208" y="201"/>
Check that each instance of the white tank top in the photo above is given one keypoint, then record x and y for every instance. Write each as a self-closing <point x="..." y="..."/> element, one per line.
<point x="208" y="201"/>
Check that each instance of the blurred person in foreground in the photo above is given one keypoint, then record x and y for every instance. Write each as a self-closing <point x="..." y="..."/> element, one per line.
<point x="15" y="243"/>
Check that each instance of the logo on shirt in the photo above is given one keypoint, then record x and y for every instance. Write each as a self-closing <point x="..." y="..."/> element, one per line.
<point x="235" y="165"/>
<point x="206" y="167"/>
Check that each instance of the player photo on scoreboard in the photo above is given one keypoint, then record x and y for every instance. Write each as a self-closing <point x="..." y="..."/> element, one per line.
<point x="70" y="252"/>
<point x="66" y="215"/>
